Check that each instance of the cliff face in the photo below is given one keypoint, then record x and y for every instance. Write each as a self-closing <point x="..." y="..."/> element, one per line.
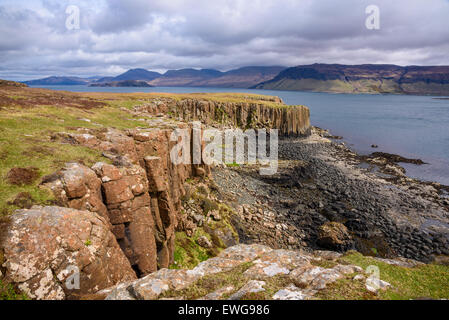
<point x="137" y="193"/>
<point x="291" y="120"/>
<point x="362" y="79"/>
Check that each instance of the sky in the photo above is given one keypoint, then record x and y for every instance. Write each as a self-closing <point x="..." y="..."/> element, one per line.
<point x="40" y="38"/>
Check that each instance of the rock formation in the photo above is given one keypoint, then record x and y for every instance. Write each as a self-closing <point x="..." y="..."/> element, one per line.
<point x="132" y="201"/>
<point x="44" y="247"/>
<point x="290" y="120"/>
<point x="290" y="275"/>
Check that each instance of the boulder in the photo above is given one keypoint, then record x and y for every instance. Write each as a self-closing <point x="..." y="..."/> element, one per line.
<point x="46" y="248"/>
<point x="334" y="235"/>
<point x="78" y="187"/>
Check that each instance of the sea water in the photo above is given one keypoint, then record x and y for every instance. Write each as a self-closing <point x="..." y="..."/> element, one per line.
<point x="411" y="126"/>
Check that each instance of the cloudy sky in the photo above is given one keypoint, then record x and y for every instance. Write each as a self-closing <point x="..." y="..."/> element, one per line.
<point x="115" y="35"/>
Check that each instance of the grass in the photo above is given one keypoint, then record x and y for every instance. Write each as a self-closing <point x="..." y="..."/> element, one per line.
<point x="29" y="116"/>
<point x="346" y="289"/>
<point x="429" y="281"/>
<point x="232" y="165"/>
<point x="25" y="142"/>
<point x="210" y="283"/>
<point x="8" y="292"/>
<point x="188" y="253"/>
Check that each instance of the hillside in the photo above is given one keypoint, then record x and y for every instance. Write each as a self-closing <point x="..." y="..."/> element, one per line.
<point x="123" y="83"/>
<point x="239" y="78"/>
<point x="242" y="78"/>
<point x="55" y="80"/>
<point x="431" y="80"/>
<point x="136" y="74"/>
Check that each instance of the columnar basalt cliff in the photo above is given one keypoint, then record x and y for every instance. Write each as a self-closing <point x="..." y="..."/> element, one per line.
<point x="290" y="120"/>
<point x="137" y="190"/>
<point x="140" y="194"/>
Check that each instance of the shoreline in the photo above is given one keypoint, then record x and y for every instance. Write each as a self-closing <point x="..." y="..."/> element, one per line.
<point x="320" y="185"/>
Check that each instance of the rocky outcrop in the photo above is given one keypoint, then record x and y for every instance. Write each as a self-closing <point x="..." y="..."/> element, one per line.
<point x="139" y="195"/>
<point x="288" y="274"/>
<point x="290" y="120"/>
<point x="334" y="235"/>
<point x="48" y="251"/>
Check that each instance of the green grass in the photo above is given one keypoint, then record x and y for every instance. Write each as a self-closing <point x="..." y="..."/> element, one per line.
<point x="25" y="141"/>
<point x="430" y="280"/>
<point x="8" y="292"/>
<point x="188" y="253"/>
<point x="232" y="165"/>
<point x="210" y="283"/>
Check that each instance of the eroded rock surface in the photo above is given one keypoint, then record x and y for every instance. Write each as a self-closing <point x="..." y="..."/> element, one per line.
<point x="45" y="246"/>
<point x="298" y="276"/>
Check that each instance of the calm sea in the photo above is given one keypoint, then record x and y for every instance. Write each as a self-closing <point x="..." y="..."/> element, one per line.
<point x="412" y="126"/>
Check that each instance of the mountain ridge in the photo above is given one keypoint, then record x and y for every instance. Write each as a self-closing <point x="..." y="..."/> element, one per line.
<point x="365" y="78"/>
<point x="237" y="78"/>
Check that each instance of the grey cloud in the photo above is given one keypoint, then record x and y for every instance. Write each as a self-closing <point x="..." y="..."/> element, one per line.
<point x="116" y="34"/>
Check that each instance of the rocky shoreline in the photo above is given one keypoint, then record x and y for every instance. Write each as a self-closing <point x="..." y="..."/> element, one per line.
<point x="98" y="196"/>
<point x="321" y="198"/>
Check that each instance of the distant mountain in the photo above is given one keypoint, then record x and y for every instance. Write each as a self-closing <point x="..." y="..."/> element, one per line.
<point x="137" y="74"/>
<point x="58" y="81"/>
<point x="368" y="78"/>
<point x="243" y="77"/>
<point x="238" y="78"/>
<point x="124" y="83"/>
<point x="185" y="77"/>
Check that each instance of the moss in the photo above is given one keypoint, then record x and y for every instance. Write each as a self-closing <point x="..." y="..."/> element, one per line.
<point x="324" y="263"/>
<point x="188" y="253"/>
<point x="9" y="292"/>
<point x="232" y="165"/>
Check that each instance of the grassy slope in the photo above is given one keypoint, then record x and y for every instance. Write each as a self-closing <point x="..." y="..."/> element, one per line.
<point x="29" y="116"/>
<point x="427" y="281"/>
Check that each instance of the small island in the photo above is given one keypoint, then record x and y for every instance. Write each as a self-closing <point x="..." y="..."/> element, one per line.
<point x="124" y="83"/>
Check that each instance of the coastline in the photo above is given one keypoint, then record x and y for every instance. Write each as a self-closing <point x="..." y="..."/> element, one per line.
<point x="320" y="182"/>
